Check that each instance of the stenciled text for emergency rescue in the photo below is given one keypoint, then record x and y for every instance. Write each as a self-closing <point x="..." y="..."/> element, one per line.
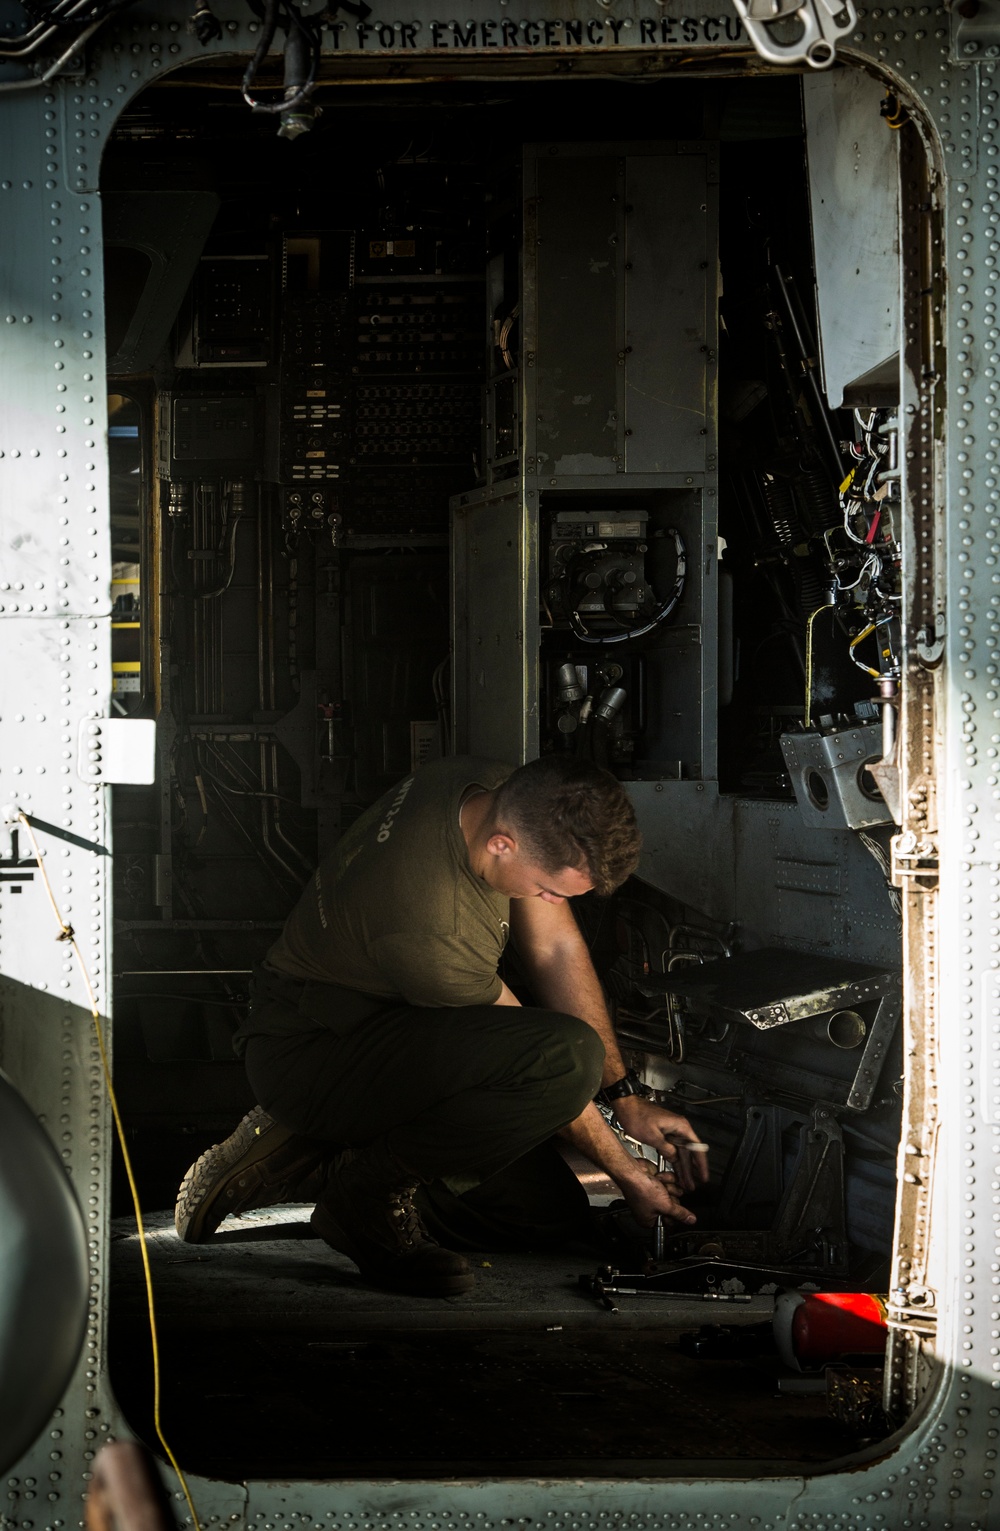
<point x="598" y="31"/>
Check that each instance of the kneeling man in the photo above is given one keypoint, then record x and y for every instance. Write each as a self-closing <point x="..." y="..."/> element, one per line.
<point x="401" y="1083"/>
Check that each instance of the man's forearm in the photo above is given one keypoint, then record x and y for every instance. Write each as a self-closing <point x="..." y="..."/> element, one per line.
<point x="567" y="982"/>
<point x="593" y="1137"/>
<point x="563" y="978"/>
<point x="648" y="1192"/>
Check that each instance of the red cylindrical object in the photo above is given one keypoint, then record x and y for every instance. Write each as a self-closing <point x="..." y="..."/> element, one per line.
<point x="814" y="1328"/>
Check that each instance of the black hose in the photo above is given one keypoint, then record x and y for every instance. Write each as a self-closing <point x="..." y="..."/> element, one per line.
<point x="269" y="26"/>
<point x="306" y="35"/>
<point x="209" y="595"/>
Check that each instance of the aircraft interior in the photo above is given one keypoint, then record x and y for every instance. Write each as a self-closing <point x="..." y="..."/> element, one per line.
<point x="500" y="416"/>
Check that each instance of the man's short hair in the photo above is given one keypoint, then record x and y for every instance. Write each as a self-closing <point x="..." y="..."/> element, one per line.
<point x="565" y="812"/>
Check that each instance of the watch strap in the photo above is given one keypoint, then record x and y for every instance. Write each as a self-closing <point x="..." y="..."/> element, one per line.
<point x="629" y="1084"/>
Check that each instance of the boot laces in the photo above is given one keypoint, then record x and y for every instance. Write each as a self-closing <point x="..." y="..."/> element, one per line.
<point x="405" y="1217"/>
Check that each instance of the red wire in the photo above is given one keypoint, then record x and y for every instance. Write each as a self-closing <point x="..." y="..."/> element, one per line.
<point x="874" y="527"/>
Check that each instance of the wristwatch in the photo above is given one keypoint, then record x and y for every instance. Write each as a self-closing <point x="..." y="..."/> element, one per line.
<point x="629" y="1084"/>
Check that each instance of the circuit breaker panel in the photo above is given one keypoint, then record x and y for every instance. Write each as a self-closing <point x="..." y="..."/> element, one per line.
<point x="584" y="580"/>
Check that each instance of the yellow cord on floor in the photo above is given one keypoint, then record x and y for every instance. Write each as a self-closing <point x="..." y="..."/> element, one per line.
<point x="66" y="934"/>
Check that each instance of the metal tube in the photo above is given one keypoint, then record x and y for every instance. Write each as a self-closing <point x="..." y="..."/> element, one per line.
<point x="184" y="972"/>
<point x="21" y="47"/>
<point x="265" y="516"/>
<point x="33" y="39"/>
<point x="293" y="629"/>
<point x="197" y="614"/>
<point x="807" y="356"/>
<point x="260" y="611"/>
<point x="163" y="554"/>
<point x="279" y="832"/>
<point x="265" y="828"/>
<point x="695" y="931"/>
<point x="890" y="430"/>
<point x="218" y="521"/>
<point x="8" y="87"/>
<point x="889" y="688"/>
<point x="266" y="689"/>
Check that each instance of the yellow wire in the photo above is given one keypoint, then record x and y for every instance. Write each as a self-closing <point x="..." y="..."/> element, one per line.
<point x="66" y="934"/>
<point x="896" y="118"/>
<point x="853" y="645"/>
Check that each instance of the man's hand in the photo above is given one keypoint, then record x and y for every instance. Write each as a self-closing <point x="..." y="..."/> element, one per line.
<point x="649" y="1193"/>
<point x="646" y="1190"/>
<point x="563" y="978"/>
<point x="668" y="1133"/>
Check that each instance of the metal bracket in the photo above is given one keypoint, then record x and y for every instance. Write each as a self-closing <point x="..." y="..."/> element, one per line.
<point x="823" y="23"/>
<point x="814" y="1199"/>
<point x="914" y="863"/>
<point x="913" y="1308"/>
<point x="885" y="774"/>
<point x="829" y="774"/>
<point x="975" y="30"/>
<point x="117" y="750"/>
<point x="929" y="644"/>
<point x="808" y="1229"/>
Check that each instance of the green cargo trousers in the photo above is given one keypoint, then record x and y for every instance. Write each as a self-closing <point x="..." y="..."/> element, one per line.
<point x="468" y="1098"/>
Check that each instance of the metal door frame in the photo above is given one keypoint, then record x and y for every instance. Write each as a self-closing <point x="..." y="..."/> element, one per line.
<point x="54" y="603"/>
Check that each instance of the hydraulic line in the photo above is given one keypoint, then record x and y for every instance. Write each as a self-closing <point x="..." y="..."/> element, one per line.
<point x="37" y="36"/>
<point x="8" y="87"/>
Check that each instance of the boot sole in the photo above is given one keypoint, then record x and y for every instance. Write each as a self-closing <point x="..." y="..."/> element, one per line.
<point x="433" y="1284"/>
<point x="198" y="1212"/>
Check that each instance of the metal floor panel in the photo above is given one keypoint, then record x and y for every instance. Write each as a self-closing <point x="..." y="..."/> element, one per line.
<point x="278" y="1361"/>
<point x="266" y="1270"/>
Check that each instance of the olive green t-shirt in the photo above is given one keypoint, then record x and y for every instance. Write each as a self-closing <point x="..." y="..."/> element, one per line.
<point x="395" y="910"/>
